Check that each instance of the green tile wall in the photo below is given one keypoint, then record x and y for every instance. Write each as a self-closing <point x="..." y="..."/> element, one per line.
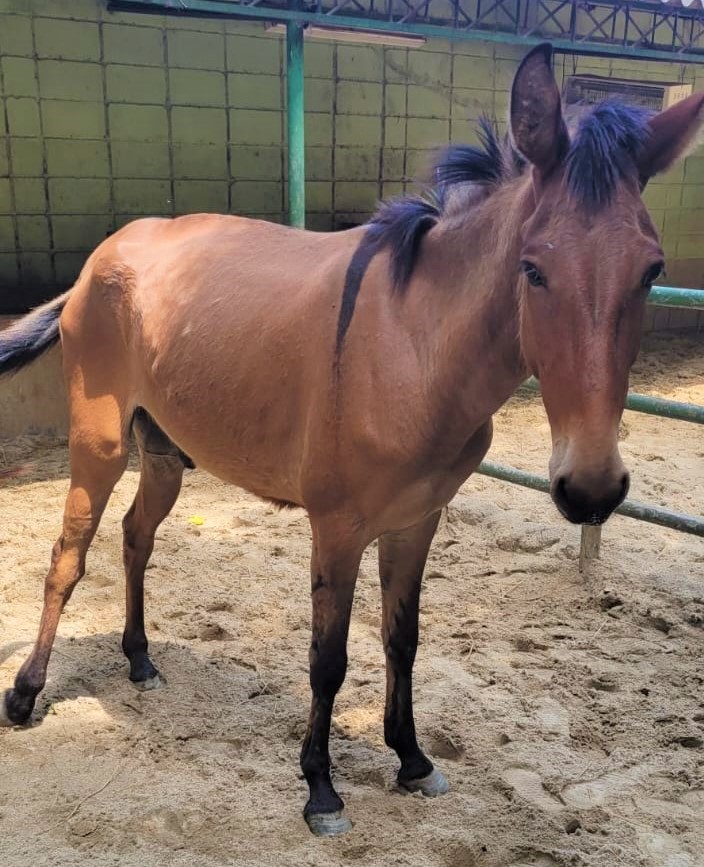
<point x="110" y="116"/>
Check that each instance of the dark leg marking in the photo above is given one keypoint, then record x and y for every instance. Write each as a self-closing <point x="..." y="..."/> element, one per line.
<point x="159" y="486"/>
<point x="402" y="558"/>
<point x="333" y="577"/>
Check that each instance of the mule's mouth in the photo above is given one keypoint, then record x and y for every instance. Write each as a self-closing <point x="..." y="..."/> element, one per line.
<point x="579" y="506"/>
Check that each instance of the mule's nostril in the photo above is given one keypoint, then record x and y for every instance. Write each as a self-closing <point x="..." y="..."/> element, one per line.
<point x="589" y="503"/>
<point x="560" y="492"/>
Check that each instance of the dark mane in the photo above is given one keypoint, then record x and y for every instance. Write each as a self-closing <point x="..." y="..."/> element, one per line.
<point x="604" y="151"/>
<point x="400" y="224"/>
<point x="494" y="161"/>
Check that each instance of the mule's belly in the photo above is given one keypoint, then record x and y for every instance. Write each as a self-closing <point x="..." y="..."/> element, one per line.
<point x="226" y="455"/>
<point x="239" y="424"/>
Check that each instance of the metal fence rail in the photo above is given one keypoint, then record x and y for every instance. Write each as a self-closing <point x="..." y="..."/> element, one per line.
<point x="670" y="296"/>
<point x="650" y="405"/>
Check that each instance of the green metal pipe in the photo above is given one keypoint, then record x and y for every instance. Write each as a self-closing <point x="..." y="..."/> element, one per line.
<point x="650" y="405"/>
<point x="665" y="408"/>
<point x="669" y="296"/>
<point x="381" y="25"/>
<point x="630" y="508"/>
<point x="516" y="477"/>
<point x="296" y="121"/>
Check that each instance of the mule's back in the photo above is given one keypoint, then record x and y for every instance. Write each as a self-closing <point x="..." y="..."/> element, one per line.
<point x="210" y="311"/>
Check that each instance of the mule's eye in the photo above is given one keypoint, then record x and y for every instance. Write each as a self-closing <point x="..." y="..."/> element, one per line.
<point x="535" y="278"/>
<point x="652" y="274"/>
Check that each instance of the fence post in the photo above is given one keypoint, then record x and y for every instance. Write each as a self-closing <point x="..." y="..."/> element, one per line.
<point x="589" y="545"/>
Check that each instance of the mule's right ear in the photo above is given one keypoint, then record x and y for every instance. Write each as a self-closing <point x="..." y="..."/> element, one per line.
<point x="537" y="125"/>
<point x="673" y="134"/>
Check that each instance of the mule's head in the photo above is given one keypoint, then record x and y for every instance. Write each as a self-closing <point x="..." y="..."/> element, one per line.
<point x="590" y="254"/>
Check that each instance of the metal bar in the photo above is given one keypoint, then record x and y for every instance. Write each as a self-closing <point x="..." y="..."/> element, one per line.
<point x="549" y="16"/>
<point x="495" y="5"/>
<point x="296" y="121"/>
<point x="180" y="6"/>
<point x="650" y="405"/>
<point x="669" y="296"/>
<point x="599" y="24"/>
<point x="629" y="509"/>
<point x="383" y="25"/>
<point x="516" y="477"/>
<point x="665" y="408"/>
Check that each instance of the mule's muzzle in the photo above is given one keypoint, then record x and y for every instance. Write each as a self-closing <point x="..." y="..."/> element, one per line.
<point x="588" y="505"/>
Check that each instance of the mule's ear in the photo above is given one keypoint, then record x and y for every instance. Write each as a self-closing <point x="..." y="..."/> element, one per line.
<point x="537" y="126"/>
<point x="673" y="133"/>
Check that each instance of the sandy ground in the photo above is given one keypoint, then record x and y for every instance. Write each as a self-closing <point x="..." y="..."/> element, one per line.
<point x="567" y="711"/>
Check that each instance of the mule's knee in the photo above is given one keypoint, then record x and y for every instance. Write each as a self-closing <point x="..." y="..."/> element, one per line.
<point x="328" y="667"/>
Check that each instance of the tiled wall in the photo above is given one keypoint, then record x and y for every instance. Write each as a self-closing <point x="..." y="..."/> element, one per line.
<point x="111" y="116"/>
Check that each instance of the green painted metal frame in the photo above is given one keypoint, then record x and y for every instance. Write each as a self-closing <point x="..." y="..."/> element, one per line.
<point x="665" y="408"/>
<point x="644" y="403"/>
<point x="296" y="121"/>
<point x="332" y="18"/>
<point x="669" y="296"/>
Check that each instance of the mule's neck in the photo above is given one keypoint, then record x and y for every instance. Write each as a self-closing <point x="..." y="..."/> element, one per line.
<point x="466" y="298"/>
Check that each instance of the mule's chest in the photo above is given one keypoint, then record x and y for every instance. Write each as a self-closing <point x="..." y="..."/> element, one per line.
<point x="427" y="483"/>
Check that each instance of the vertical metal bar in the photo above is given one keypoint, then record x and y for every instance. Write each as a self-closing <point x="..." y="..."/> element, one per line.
<point x="296" y="121"/>
<point x="573" y="20"/>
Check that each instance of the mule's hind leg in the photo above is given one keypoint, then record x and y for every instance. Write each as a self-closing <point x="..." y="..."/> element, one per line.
<point x="98" y="451"/>
<point x="402" y="559"/>
<point x="159" y="486"/>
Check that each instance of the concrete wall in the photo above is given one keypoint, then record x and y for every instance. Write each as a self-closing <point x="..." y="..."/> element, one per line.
<point x="110" y="116"/>
<point x="34" y="401"/>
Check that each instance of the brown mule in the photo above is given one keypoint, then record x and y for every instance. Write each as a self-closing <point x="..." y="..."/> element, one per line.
<point x="356" y="374"/>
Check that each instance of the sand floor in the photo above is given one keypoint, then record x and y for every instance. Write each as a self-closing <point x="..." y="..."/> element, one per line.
<point x="567" y="711"/>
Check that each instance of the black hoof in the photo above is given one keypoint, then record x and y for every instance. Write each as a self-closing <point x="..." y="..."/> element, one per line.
<point x="15" y="709"/>
<point x="155" y="682"/>
<point x="328" y="824"/>
<point x="143" y="674"/>
<point x="431" y="786"/>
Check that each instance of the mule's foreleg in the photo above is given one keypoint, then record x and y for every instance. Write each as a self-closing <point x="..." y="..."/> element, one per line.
<point x="402" y="559"/>
<point x="96" y="465"/>
<point x="159" y="486"/>
<point x="334" y="567"/>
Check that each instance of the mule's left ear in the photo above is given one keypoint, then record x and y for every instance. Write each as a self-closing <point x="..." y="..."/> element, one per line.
<point x="537" y="125"/>
<point x="673" y="133"/>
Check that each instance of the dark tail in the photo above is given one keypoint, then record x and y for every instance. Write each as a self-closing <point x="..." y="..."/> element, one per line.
<point x="28" y="338"/>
